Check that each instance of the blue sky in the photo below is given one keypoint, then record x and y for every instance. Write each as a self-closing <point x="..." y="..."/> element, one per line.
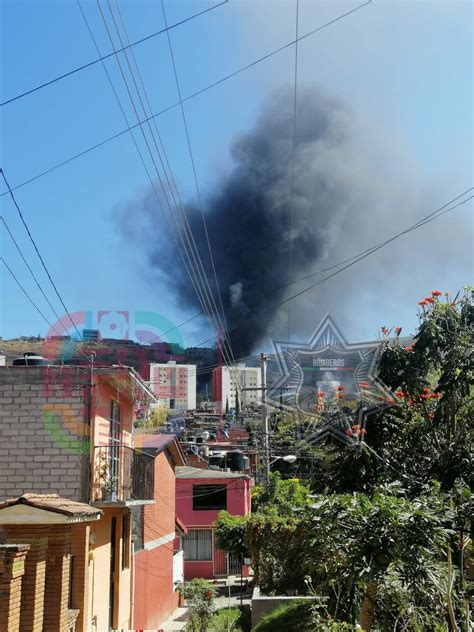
<point x="404" y="67"/>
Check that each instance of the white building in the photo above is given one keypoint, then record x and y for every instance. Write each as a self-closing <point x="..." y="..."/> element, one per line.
<point x="226" y="382"/>
<point x="174" y="384"/>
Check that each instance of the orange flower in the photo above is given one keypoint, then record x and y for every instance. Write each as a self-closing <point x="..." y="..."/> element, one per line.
<point x="435" y="395"/>
<point x="349" y="432"/>
<point x="398" y="330"/>
<point x="423" y="302"/>
<point x="410" y="348"/>
<point x="399" y="394"/>
<point x="426" y="390"/>
<point x="340" y="388"/>
<point x="436" y="292"/>
<point x="429" y="299"/>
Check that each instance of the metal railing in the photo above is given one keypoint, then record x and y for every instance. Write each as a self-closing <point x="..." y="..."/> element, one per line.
<point x="122" y="474"/>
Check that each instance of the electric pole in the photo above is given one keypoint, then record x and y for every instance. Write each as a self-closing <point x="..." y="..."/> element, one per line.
<point x="266" y="451"/>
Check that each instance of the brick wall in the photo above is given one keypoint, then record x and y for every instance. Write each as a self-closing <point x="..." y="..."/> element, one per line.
<point x="42" y="425"/>
<point x="155" y="597"/>
<point x="12" y="569"/>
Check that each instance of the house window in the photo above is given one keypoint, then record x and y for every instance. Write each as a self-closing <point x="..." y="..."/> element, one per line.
<point x="125" y="542"/>
<point x="197" y="545"/>
<point x="209" y="497"/>
<point x="137" y="528"/>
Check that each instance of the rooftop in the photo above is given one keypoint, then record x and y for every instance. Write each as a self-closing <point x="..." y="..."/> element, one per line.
<point x="72" y="510"/>
<point x="197" y="472"/>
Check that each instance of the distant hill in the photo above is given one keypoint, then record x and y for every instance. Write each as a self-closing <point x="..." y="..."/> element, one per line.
<point x="64" y="350"/>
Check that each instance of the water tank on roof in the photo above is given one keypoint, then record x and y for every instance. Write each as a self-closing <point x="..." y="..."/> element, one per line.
<point x="205" y="435"/>
<point x="235" y="460"/>
<point x="246" y="463"/>
<point x="192" y="439"/>
<point x="204" y="451"/>
<point x="200" y="439"/>
<point x="217" y="460"/>
<point x="31" y="359"/>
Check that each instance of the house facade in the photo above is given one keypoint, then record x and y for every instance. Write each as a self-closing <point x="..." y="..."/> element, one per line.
<point x="67" y="431"/>
<point x="158" y="567"/>
<point x="200" y="495"/>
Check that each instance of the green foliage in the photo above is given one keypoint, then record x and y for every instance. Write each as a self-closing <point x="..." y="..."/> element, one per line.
<point x="284" y="497"/>
<point x="359" y="539"/>
<point x="230" y="533"/>
<point x="199" y="594"/>
<point x="230" y="620"/>
<point x="385" y="538"/>
<point x="301" y="616"/>
<point x="278" y="551"/>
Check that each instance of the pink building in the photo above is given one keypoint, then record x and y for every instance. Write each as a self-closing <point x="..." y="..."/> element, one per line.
<point x="200" y="495"/>
<point x="158" y="568"/>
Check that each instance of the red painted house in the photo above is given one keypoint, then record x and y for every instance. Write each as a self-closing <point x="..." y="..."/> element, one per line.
<point x="200" y="495"/>
<point x="158" y="568"/>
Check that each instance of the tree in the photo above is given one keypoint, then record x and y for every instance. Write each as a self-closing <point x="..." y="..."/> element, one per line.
<point x="285" y="497"/>
<point x="230" y="533"/>
<point x="386" y="538"/>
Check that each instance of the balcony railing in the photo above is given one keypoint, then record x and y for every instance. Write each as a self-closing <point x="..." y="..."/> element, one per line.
<point x="122" y="474"/>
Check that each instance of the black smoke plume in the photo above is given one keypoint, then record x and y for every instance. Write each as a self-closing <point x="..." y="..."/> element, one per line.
<point x="349" y="188"/>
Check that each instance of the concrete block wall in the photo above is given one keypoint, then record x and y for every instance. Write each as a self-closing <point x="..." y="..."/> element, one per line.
<point x="42" y="425"/>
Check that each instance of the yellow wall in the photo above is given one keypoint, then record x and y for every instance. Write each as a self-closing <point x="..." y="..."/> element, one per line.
<point x="100" y="567"/>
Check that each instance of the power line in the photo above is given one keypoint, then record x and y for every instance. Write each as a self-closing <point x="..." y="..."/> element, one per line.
<point x="58" y="318"/>
<point x="38" y="253"/>
<point x="198" y="191"/>
<point x="96" y="61"/>
<point x="201" y="291"/>
<point x="176" y="327"/>
<point x="28" y="296"/>
<point x="434" y="215"/>
<point x="131" y="133"/>
<point x="185" y="99"/>
<point x="293" y="161"/>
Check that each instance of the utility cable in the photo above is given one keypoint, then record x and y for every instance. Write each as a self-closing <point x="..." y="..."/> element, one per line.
<point x="103" y="57"/>
<point x="38" y="253"/>
<point x="28" y="296"/>
<point x="293" y="162"/>
<point x="185" y="99"/>
<point x="58" y="318"/>
<point x="148" y="146"/>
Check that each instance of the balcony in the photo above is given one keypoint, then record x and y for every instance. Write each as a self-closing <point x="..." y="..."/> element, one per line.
<point x="122" y="476"/>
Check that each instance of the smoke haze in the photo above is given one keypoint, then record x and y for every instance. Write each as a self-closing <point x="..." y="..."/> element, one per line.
<point x="352" y="187"/>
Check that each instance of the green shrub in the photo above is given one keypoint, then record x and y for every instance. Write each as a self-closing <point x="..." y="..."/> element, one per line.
<point x="301" y="616"/>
